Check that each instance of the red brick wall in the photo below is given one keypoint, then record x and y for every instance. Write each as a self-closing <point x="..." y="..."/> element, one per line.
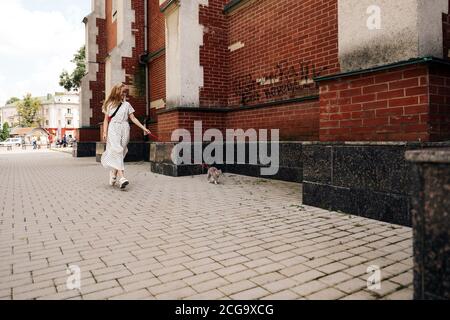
<point x="157" y="41"/>
<point x="88" y="135"/>
<point x="170" y="121"/>
<point x="98" y="87"/>
<point x="284" y="39"/>
<point x="214" y="55"/>
<point x="131" y="65"/>
<point x="157" y="23"/>
<point x="296" y="122"/>
<point x="111" y="27"/>
<point x="384" y="106"/>
<point x="439" y="103"/>
<point x="157" y="78"/>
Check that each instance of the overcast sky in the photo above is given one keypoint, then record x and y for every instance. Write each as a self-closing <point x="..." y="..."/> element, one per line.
<point x="38" y="38"/>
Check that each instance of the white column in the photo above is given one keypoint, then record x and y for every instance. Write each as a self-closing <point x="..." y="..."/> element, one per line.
<point x="98" y="11"/>
<point x="184" y="36"/>
<point x="126" y="41"/>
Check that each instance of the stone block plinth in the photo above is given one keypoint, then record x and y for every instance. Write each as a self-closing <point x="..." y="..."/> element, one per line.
<point x="431" y="223"/>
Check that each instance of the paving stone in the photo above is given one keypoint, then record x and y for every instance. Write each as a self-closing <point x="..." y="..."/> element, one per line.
<point x="405" y="279"/>
<point x="335" y="278"/>
<point x="31" y="295"/>
<point x="251" y="294"/>
<point x="237" y="287"/>
<point x="104" y="294"/>
<point x="177" y="295"/>
<point x="136" y="295"/>
<point x="332" y="268"/>
<point x="282" y="295"/>
<point x="309" y="288"/>
<point x="208" y="295"/>
<point x="210" y="285"/>
<point x="280" y="285"/>
<point x="405" y="294"/>
<point x="326" y="294"/>
<point x="351" y="286"/>
<point x="308" y="276"/>
<point x="155" y="237"/>
<point x="267" y="278"/>
<point x="358" y="296"/>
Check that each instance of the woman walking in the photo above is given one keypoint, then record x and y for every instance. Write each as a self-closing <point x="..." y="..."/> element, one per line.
<point x="116" y="132"/>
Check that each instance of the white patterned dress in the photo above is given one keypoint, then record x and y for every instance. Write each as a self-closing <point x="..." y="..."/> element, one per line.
<point x="118" y="138"/>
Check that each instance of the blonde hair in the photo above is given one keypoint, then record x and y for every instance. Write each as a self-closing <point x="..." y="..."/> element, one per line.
<point x="114" y="99"/>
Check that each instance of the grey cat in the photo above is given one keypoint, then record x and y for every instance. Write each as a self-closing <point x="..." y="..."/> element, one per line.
<point x="214" y="175"/>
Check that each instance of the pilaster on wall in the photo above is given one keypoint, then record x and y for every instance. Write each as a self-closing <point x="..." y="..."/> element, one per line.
<point x="446" y="29"/>
<point x="91" y="91"/>
<point x="373" y="34"/>
<point x="98" y="85"/>
<point x="215" y="55"/>
<point x="184" y="36"/>
<point x="126" y="41"/>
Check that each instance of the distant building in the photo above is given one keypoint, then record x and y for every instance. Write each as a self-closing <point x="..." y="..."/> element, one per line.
<point x="60" y="114"/>
<point x="8" y="113"/>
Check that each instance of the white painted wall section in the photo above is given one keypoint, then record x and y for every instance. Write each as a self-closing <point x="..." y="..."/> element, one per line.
<point x="408" y="29"/>
<point x="184" y="36"/>
<point x="98" y="11"/>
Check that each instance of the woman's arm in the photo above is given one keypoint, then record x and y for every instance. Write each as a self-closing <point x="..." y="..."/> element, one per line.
<point x="105" y="127"/>
<point x="137" y="123"/>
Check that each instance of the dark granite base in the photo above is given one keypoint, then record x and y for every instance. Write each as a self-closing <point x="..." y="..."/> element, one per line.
<point x="289" y="174"/>
<point x="385" y="207"/>
<point x="137" y="151"/>
<point x="290" y="162"/>
<point x="84" y="149"/>
<point x="172" y="170"/>
<point x="372" y="180"/>
<point x="431" y="223"/>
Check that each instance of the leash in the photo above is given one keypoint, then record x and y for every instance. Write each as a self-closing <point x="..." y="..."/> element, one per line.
<point x="153" y="136"/>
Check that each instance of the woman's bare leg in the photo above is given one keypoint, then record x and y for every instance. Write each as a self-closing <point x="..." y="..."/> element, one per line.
<point x="120" y="174"/>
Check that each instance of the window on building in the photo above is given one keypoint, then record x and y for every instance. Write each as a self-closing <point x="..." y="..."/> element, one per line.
<point x="69" y="111"/>
<point x="114" y="9"/>
<point x="69" y="122"/>
<point x="46" y="122"/>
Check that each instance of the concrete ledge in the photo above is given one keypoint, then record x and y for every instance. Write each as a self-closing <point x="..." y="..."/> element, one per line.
<point x="429" y="156"/>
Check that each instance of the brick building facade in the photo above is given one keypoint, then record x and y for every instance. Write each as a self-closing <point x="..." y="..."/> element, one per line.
<point x="253" y="64"/>
<point x="351" y="85"/>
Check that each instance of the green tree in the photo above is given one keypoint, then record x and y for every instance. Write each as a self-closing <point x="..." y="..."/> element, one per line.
<point x="73" y="81"/>
<point x="4" y="134"/>
<point x="12" y="100"/>
<point x="28" y="110"/>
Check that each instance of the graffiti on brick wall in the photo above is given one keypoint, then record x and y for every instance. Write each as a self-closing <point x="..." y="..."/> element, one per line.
<point x="284" y="80"/>
<point x="245" y="88"/>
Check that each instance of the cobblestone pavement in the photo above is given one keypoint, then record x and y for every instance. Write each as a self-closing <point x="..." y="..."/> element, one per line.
<point x="181" y="238"/>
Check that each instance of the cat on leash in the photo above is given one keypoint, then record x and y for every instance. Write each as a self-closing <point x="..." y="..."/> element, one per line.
<point x="214" y="174"/>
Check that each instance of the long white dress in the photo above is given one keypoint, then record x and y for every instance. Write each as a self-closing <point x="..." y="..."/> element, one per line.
<point x="118" y="138"/>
